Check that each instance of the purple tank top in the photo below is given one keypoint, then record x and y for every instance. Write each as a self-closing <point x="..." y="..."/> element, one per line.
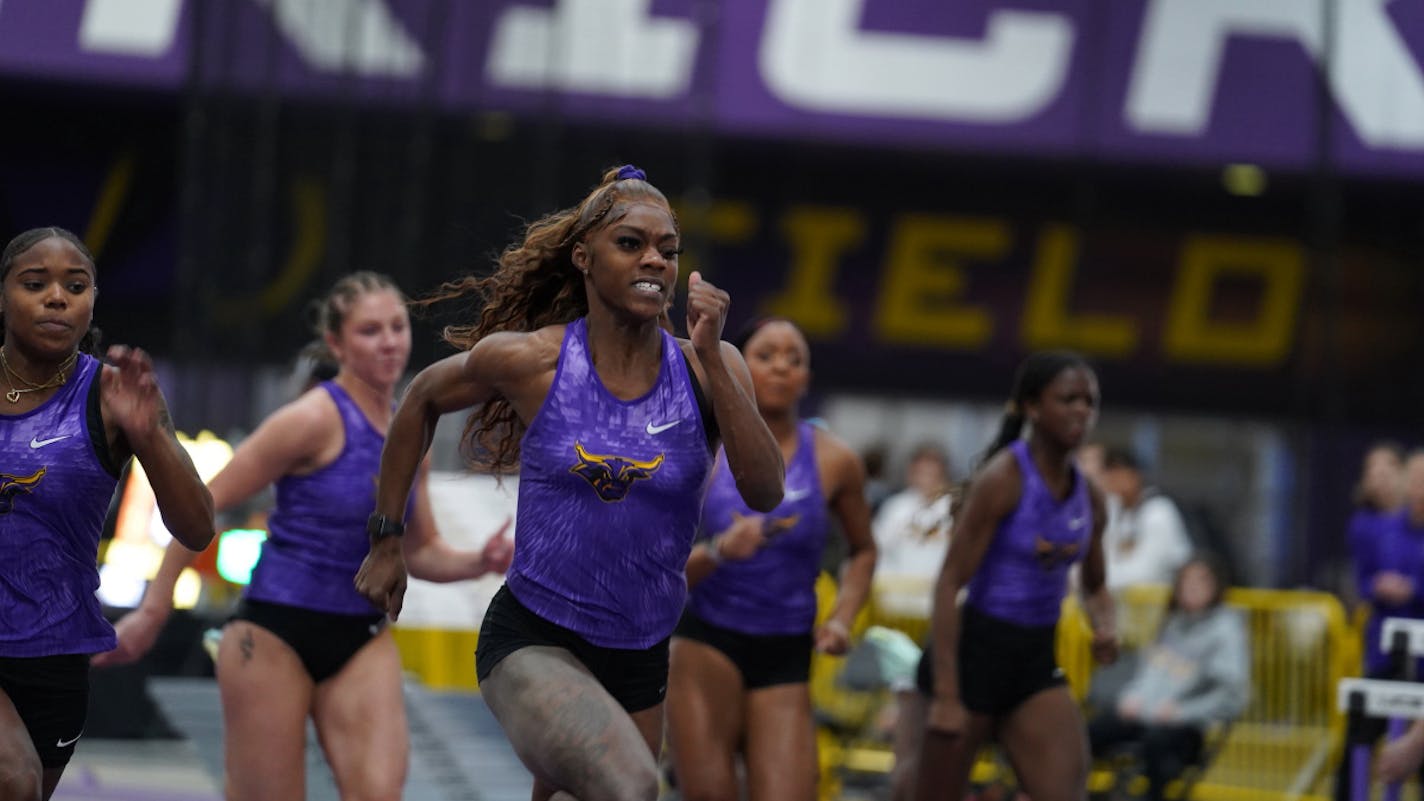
<point x="1024" y="575"/>
<point x="774" y="592"/>
<point x="609" y="495"/>
<point x="317" y="532"/>
<point x="54" y="493"/>
<point x="1398" y="547"/>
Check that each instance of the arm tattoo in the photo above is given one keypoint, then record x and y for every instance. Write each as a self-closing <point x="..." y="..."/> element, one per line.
<point x="247" y="644"/>
<point x="165" y="422"/>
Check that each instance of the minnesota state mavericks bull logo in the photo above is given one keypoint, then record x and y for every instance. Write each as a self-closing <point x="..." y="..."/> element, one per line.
<point x="1050" y="555"/>
<point x="612" y="476"/>
<point x="10" y="486"/>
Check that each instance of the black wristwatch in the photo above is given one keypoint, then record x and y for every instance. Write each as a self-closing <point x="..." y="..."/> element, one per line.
<point x="378" y="527"/>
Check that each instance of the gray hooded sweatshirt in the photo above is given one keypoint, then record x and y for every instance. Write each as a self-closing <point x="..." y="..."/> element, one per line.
<point x="1201" y="663"/>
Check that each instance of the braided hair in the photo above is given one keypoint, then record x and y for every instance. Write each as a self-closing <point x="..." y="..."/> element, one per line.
<point x="89" y="343"/>
<point x="535" y="284"/>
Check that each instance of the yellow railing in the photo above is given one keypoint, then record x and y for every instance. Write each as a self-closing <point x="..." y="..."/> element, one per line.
<point x="443" y="659"/>
<point x="1287" y="742"/>
<point x="1285" y="745"/>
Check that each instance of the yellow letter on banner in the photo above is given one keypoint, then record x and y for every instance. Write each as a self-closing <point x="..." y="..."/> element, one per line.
<point x="924" y="276"/>
<point x="1191" y="335"/>
<point x="818" y="236"/>
<point x="710" y="222"/>
<point x="1047" y="322"/>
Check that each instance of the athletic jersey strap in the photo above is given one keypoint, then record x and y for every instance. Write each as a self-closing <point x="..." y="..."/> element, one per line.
<point x="704" y="406"/>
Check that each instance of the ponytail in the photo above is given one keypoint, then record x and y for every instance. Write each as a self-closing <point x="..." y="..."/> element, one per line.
<point x="1010" y="429"/>
<point x="1034" y="375"/>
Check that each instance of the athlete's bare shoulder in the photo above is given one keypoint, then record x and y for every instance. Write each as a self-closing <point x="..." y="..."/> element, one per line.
<point x="312" y="410"/>
<point x="838" y="461"/>
<point x="300" y="434"/>
<point x="999" y="482"/>
<point x="545" y="343"/>
<point x="518" y="353"/>
<point x="833" y="449"/>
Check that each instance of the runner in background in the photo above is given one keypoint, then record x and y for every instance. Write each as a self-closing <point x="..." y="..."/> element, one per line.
<point x="1028" y="515"/>
<point x="303" y="643"/>
<point x="741" y="656"/>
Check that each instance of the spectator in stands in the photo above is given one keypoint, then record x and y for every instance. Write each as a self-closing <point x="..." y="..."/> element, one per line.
<point x="1389" y="569"/>
<point x="912" y="534"/>
<point x="878" y="488"/>
<point x="1146" y="540"/>
<point x="1377" y="498"/>
<point x="1196" y="674"/>
<point x="1091" y="459"/>
<point x="1394" y="570"/>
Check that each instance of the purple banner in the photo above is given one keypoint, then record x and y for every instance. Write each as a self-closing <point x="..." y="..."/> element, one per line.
<point x="1180" y="81"/>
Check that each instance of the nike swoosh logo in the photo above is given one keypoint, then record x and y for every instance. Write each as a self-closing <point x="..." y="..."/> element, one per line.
<point x="67" y="743"/>
<point x="652" y="429"/>
<point x="35" y="442"/>
<point x="1076" y="522"/>
<point x="796" y="495"/>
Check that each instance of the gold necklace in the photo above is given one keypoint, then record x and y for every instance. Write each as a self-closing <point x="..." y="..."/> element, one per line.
<point x="11" y="376"/>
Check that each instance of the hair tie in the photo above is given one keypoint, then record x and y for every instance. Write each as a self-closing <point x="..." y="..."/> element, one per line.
<point x="629" y="171"/>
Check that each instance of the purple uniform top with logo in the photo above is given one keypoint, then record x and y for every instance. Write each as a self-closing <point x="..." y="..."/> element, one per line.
<point x="1024" y="574"/>
<point x="609" y="496"/>
<point x="1399" y="548"/>
<point x="1363" y="539"/>
<point x="317" y="532"/>
<point x="773" y="592"/>
<point x="54" y="493"/>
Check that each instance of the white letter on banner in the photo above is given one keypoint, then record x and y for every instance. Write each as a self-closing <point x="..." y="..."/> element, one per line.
<point x="1376" y="80"/>
<point x="129" y="27"/>
<point x="609" y="47"/>
<point x="814" y="56"/>
<point x="361" y="37"/>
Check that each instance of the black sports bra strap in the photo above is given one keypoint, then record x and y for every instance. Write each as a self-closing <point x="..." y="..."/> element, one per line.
<point x="704" y="406"/>
<point x="94" y="421"/>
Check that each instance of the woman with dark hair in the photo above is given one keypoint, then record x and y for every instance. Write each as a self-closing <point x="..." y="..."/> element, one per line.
<point x="912" y="533"/>
<point x="1195" y="674"/>
<point x="1379" y="579"/>
<point x="1397" y="591"/>
<point x="68" y="426"/>
<point x="613" y="422"/>
<point x="1027" y="517"/>
<point x="741" y="655"/>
